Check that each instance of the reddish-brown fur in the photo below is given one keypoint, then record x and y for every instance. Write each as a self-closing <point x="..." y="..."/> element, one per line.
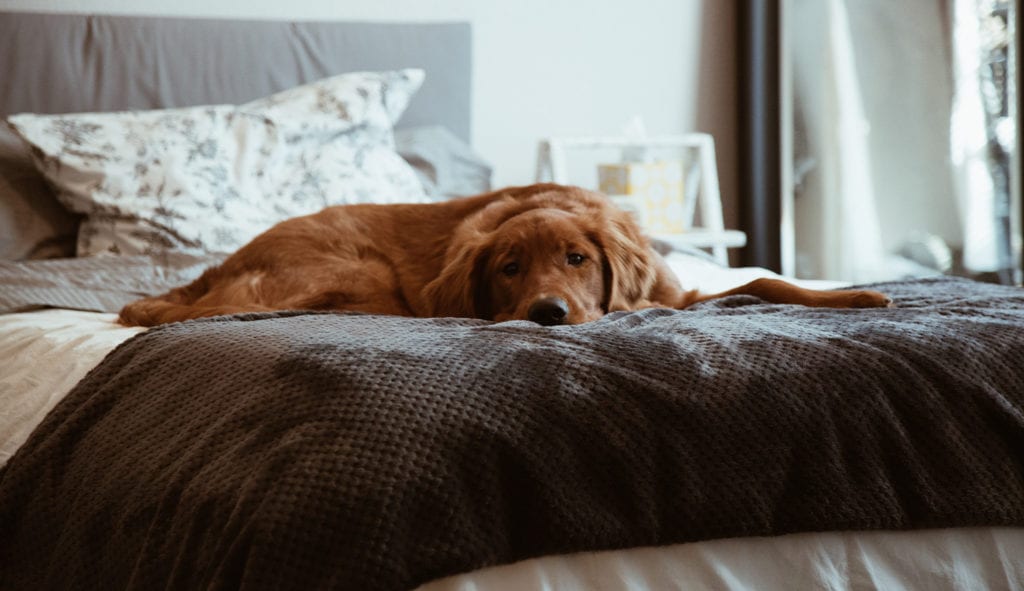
<point x="491" y="256"/>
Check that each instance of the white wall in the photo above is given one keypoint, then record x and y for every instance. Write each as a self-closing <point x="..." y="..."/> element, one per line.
<point x="544" y="67"/>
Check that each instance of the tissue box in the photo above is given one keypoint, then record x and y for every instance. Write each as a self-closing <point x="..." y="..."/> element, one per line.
<point x="653" y="191"/>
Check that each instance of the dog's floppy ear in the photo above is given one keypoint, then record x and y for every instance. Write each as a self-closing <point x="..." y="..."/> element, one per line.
<point x="457" y="290"/>
<point x="629" y="271"/>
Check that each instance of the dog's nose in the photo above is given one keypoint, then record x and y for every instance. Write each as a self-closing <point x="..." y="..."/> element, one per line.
<point x="548" y="311"/>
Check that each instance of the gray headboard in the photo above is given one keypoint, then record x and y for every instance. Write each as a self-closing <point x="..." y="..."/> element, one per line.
<point x="54" y="63"/>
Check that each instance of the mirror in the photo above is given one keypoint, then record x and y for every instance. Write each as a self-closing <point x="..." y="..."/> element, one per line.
<point x="899" y="132"/>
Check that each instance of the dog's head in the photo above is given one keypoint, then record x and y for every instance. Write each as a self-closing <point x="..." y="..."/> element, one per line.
<point x="546" y="253"/>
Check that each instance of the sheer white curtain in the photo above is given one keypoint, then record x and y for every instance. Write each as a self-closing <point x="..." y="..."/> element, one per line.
<point x="846" y="244"/>
<point x="892" y="131"/>
<point x="969" y="145"/>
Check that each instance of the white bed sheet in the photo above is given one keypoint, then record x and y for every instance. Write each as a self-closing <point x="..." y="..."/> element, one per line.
<point x="43" y="354"/>
<point x="968" y="559"/>
<point x="710" y="277"/>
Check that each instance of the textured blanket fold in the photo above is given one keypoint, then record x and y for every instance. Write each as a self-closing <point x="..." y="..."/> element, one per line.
<point x="367" y="452"/>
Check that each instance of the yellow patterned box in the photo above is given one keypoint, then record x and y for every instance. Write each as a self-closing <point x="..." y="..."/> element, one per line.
<point x="653" y="191"/>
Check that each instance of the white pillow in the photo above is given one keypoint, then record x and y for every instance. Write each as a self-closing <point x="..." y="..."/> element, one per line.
<point x="209" y="179"/>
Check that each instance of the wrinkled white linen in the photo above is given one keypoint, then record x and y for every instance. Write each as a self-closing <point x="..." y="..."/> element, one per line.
<point x="43" y="354"/>
<point x="968" y="559"/>
<point x="710" y="277"/>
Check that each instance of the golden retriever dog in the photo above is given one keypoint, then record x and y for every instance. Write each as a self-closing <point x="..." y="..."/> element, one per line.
<point x="547" y="253"/>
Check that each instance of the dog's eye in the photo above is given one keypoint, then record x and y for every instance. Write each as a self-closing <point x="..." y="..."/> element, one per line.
<point x="575" y="259"/>
<point x="510" y="269"/>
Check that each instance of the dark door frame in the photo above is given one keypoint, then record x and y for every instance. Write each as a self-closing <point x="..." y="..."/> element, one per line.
<point x="760" y="150"/>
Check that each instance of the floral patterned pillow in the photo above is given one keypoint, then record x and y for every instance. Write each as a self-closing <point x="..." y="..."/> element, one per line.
<point x="209" y="179"/>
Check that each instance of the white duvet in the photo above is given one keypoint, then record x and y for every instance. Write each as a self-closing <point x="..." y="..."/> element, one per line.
<point x="43" y="354"/>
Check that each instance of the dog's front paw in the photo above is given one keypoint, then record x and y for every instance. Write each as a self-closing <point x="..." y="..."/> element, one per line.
<point x="870" y="299"/>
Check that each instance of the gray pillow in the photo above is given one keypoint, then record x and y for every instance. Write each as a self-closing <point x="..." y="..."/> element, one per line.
<point x="446" y="165"/>
<point x="33" y="224"/>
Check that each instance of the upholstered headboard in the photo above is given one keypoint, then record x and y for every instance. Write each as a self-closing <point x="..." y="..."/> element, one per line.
<point x="56" y="63"/>
<point x="74" y="63"/>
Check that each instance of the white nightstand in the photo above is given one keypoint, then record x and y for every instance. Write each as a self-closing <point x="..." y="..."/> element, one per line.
<point x="701" y="185"/>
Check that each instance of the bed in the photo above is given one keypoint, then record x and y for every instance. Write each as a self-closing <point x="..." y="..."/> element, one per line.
<point x="736" y="445"/>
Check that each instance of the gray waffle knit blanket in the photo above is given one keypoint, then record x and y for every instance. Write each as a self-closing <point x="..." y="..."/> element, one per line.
<point x="315" y="451"/>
